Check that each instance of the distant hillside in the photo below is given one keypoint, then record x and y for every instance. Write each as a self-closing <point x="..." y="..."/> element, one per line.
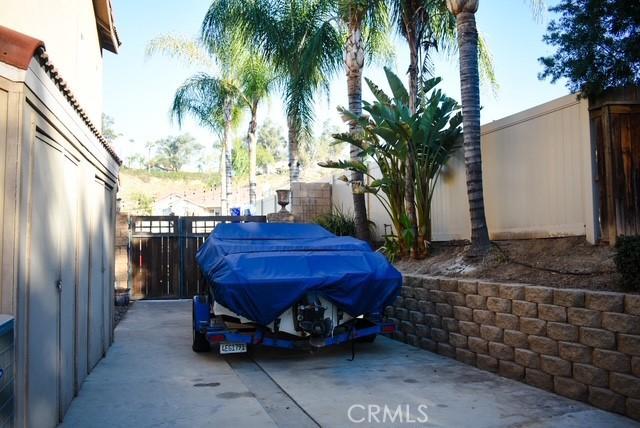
<point x="139" y="188"/>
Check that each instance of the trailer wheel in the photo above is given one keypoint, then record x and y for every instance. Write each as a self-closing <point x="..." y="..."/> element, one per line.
<point x="200" y="342"/>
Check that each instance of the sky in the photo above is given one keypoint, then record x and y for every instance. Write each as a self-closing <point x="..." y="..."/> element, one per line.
<point x="138" y="91"/>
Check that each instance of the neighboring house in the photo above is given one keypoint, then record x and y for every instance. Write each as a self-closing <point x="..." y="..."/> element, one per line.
<point x="180" y="205"/>
<point x="57" y="200"/>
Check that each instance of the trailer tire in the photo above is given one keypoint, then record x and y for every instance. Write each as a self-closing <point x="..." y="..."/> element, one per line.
<point x="200" y="342"/>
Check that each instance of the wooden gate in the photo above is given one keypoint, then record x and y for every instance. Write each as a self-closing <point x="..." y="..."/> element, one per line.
<point x="615" y="128"/>
<point x="162" y="256"/>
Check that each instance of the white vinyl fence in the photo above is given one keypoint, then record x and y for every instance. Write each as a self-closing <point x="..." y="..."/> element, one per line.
<point x="538" y="179"/>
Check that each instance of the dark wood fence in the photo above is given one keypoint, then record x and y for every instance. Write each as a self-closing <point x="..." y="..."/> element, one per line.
<point x="163" y="250"/>
<point x="615" y="129"/>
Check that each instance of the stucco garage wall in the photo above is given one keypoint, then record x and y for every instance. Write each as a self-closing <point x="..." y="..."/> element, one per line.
<point x="57" y="206"/>
<point x="584" y="345"/>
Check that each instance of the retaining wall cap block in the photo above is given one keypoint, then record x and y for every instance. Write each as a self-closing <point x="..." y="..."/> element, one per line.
<point x="538" y="294"/>
<point x="569" y="298"/>
<point x="511" y="291"/>
<point x="488" y="289"/>
<point x="604" y="301"/>
<point x="467" y="286"/>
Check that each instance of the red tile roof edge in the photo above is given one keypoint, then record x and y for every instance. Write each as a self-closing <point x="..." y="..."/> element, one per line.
<point x="18" y="49"/>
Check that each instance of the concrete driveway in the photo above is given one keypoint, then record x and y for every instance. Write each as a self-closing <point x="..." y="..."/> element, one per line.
<point x="151" y="378"/>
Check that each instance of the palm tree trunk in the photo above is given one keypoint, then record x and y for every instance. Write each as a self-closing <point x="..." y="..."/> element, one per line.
<point x="354" y="62"/>
<point x="229" y="171"/>
<point x="252" y="147"/>
<point x="410" y="179"/>
<point x="294" y="164"/>
<point x="470" y="89"/>
<point x="223" y="181"/>
<point x="413" y="72"/>
<point x="227" y="178"/>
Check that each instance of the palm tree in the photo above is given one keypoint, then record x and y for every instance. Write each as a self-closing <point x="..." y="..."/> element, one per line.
<point x="256" y="78"/>
<point x="412" y="18"/>
<point x="297" y="37"/>
<point x="360" y="16"/>
<point x="464" y="12"/>
<point x="215" y="102"/>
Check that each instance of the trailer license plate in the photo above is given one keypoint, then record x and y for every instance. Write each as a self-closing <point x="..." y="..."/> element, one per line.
<point x="233" y="348"/>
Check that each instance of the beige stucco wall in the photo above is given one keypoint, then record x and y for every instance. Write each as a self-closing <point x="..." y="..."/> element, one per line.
<point x="538" y="178"/>
<point x="68" y="29"/>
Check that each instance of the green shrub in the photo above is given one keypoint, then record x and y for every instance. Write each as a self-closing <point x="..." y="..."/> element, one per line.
<point x="391" y="248"/>
<point x="338" y="222"/>
<point x="628" y="262"/>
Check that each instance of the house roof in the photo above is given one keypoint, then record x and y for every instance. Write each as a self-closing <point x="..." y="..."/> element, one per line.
<point x="18" y="49"/>
<point x="107" y="32"/>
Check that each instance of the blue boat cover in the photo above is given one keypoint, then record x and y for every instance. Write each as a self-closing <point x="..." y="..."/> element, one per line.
<point x="259" y="270"/>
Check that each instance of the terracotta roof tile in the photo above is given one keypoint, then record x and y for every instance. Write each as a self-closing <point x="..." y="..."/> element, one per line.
<point x="17" y="49"/>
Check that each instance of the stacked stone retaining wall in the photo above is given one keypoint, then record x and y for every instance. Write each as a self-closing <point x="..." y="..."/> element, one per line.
<point x="581" y="344"/>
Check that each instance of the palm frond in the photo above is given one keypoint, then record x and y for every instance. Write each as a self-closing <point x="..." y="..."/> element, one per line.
<point x="185" y="49"/>
<point x="203" y="97"/>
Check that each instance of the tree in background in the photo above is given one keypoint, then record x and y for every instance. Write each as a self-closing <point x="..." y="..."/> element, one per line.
<point x="316" y="148"/>
<point x="241" y="161"/>
<point x="257" y="79"/>
<point x="173" y="152"/>
<point x="108" y="130"/>
<point x="597" y="45"/>
<point x="136" y="161"/>
<point x="143" y="203"/>
<point x="300" y="41"/>
<point x="270" y="137"/>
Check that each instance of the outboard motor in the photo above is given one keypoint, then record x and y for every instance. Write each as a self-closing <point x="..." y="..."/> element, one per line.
<point x="309" y="317"/>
